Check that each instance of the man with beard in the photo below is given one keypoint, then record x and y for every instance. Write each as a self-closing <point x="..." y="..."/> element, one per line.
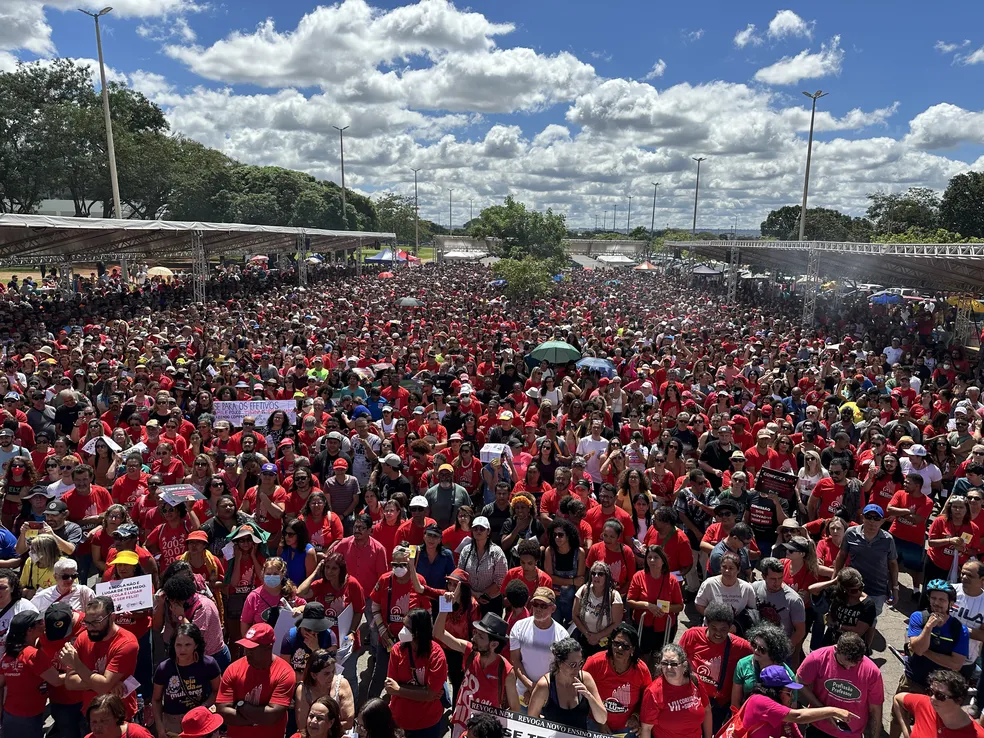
<point x="102" y="657"/>
<point x="256" y="690"/>
<point x="487" y="676"/>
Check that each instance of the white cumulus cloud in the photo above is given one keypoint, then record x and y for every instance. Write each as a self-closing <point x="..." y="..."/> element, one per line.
<point x="805" y="65"/>
<point x="789" y="24"/>
<point x="946" y="48"/>
<point x="977" y="57"/>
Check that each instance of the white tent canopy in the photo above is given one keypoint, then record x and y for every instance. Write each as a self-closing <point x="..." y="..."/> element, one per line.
<point x="464" y="255"/>
<point x="615" y="259"/>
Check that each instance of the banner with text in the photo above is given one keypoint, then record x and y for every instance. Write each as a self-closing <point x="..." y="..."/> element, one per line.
<point x="235" y="411"/>
<point x="524" y="726"/>
<point x="130" y="594"/>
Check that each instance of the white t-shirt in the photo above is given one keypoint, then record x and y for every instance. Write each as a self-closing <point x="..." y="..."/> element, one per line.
<point x="593" y="618"/>
<point x="534" y="644"/>
<point x="929" y="474"/>
<point x="970" y="612"/>
<point x="57" y="489"/>
<point x="19" y="606"/>
<point x="739" y="595"/>
<point x="585" y="446"/>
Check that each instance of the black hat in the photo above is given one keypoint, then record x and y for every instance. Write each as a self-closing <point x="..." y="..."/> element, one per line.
<point x="56" y="507"/>
<point x="23" y="622"/>
<point x="726" y="505"/>
<point x="433" y="528"/>
<point x="58" y="621"/>
<point x="493" y="625"/>
<point x="313" y="618"/>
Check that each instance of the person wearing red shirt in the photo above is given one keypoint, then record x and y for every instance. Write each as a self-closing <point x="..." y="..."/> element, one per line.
<point x="25" y="672"/>
<point x="266" y="502"/>
<point x="675" y="705"/>
<point x="828" y="493"/>
<point x="618" y="556"/>
<point x="412" y="530"/>
<point x="62" y="625"/>
<point x="168" y="541"/>
<point x="102" y="657"/>
<point x="332" y="586"/>
<point x="387" y="529"/>
<point x="256" y="690"/>
<point x="324" y="527"/>
<point x="393" y="597"/>
<point x="761" y="455"/>
<point x="596" y="517"/>
<point x="528" y="572"/>
<point x="938" y="714"/>
<point x="366" y="558"/>
<point x="417" y="665"/>
<point x="952" y="532"/>
<point x="621" y="678"/>
<point x="129" y="488"/>
<point x="909" y="510"/>
<point x="706" y="649"/>
<point x="86" y="504"/>
<point x="665" y="534"/>
<point x="166" y="466"/>
<point x="655" y="597"/>
<point x="488" y="676"/>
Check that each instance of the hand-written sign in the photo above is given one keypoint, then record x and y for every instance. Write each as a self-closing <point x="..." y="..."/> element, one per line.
<point x="782" y="484"/>
<point x="129" y="595"/>
<point x="235" y="411"/>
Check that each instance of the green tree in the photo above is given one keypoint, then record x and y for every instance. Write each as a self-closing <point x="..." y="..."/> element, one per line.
<point x="396" y="215"/>
<point x="822" y="224"/>
<point x="526" y="279"/>
<point x="925" y="235"/>
<point x="199" y="174"/>
<point x="962" y="205"/>
<point x="522" y="232"/>
<point x="919" y="207"/>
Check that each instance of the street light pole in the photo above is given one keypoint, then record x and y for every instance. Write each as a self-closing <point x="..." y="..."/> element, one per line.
<point x="341" y="150"/>
<point x="110" y="148"/>
<point x="450" y="217"/>
<point x="696" y="190"/>
<point x="652" y="225"/>
<point x="628" y="218"/>
<point x="416" y="217"/>
<point x="596" y="223"/>
<point x="615" y="218"/>
<point x="809" y="152"/>
<point x="471" y="209"/>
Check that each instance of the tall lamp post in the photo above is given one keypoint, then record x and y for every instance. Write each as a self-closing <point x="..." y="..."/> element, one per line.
<point x="615" y="218"/>
<point x="341" y="150"/>
<point x="416" y="217"/>
<point x="809" y="152"/>
<point x="110" y="148"/>
<point x="450" y="217"/>
<point x="628" y="218"/>
<point x="697" y="159"/>
<point x="652" y="225"/>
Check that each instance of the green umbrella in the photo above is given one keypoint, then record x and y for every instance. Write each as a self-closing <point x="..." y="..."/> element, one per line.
<point x="555" y="352"/>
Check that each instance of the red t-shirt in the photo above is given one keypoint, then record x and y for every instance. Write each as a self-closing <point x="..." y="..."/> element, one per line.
<point x="484" y="685"/>
<point x="137" y="623"/>
<point x="905" y="528"/>
<point x="927" y="724"/>
<point x="942" y="556"/>
<point x="83" y="506"/>
<point x="146" y="513"/>
<point x="274" y="686"/>
<point x="801" y="580"/>
<point x="424" y="671"/>
<point x="542" y="579"/>
<point x="621" y="693"/>
<point x="830" y="495"/>
<point x="881" y="492"/>
<point x="754" y="461"/>
<point x="118" y="655"/>
<point x="597" y="519"/>
<point x="395" y="600"/>
<point x="169" y="541"/>
<point x="644" y="588"/>
<point x="132" y="730"/>
<point x="126" y="491"/>
<point x="622" y="563"/>
<point x="330" y="530"/>
<point x="267" y="522"/>
<point x="336" y="600"/>
<point x="412" y="533"/>
<point x="386" y="535"/>
<point x="61" y="695"/>
<point x="674" y="712"/>
<point x="705" y="660"/>
<point x="25" y="696"/>
<point x="250" y="576"/>
<point x="675" y="546"/>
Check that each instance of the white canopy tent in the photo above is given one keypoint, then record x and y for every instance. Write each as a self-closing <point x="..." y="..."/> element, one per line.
<point x="617" y="259"/>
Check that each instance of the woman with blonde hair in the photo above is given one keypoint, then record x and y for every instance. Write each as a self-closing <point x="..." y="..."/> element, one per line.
<point x="807" y="477"/>
<point x="202" y="471"/>
<point x="38" y="571"/>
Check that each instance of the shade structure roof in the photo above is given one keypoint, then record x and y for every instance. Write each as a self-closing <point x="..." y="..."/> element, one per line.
<point x="957" y="267"/>
<point x="41" y="239"/>
<point x="615" y="259"/>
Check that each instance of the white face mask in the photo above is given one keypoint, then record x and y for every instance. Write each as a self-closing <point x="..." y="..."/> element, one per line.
<point x="404" y="635"/>
<point x="35" y="557"/>
<point x="400" y="571"/>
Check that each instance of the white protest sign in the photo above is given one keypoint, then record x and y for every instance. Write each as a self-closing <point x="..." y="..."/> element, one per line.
<point x="90" y="447"/>
<point x="524" y="726"/>
<point x="492" y="451"/>
<point x="235" y="411"/>
<point x="129" y="595"/>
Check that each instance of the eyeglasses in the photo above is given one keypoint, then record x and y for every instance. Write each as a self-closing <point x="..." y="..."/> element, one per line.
<point x="759" y="648"/>
<point x="67" y="467"/>
<point x="574" y="664"/>
<point x="621" y="646"/>
<point x="67" y="577"/>
<point x="18" y="466"/>
<point x="600" y="574"/>
<point x="871" y="517"/>
<point x="96" y="621"/>
<point x="938" y="696"/>
<point x="541" y="605"/>
<point x="201" y="463"/>
<point x="670" y="664"/>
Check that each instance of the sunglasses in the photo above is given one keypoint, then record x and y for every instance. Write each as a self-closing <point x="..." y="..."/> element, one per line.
<point x="67" y="577"/>
<point x="938" y="696"/>
<point x="872" y="517"/>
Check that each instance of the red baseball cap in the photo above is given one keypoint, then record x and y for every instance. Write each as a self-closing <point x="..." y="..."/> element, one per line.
<point x="260" y="634"/>
<point x="340" y="464"/>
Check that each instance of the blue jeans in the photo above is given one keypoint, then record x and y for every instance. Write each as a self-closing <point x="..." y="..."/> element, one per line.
<point x="68" y="719"/>
<point x="223" y="658"/>
<point x="23" y="727"/>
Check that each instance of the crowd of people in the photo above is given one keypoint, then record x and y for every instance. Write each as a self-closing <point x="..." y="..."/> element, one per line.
<point x="693" y="532"/>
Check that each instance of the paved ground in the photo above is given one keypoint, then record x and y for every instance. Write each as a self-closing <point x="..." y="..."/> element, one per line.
<point x="891" y="631"/>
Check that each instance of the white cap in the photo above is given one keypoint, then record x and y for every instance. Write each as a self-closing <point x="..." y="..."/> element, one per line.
<point x="419" y="501"/>
<point x="481" y="522"/>
<point x="393" y="460"/>
<point x="916" y="450"/>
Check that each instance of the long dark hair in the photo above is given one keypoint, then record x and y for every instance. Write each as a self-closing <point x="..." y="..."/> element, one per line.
<point x="376" y="719"/>
<point x="17" y="634"/>
<point x="629" y="632"/>
<point x="897" y="476"/>
<point x="335" y="729"/>
<point x="194" y="633"/>
<point x="569" y="529"/>
<point x="422" y="628"/>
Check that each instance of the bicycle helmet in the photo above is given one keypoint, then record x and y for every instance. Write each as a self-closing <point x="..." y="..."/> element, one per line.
<point x="941" y="585"/>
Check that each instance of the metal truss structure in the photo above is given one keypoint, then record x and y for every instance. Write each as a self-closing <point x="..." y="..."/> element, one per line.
<point x="33" y="240"/>
<point x="734" y="265"/>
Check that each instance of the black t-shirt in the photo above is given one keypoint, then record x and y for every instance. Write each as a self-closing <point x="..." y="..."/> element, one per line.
<point x="497" y="519"/>
<point x="389" y="487"/>
<point x="763" y="518"/>
<point x="844" y="614"/>
<point x="188" y="687"/>
<point x="718" y="458"/>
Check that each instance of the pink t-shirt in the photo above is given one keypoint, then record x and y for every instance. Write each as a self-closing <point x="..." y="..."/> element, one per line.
<point x="259" y="600"/>
<point x="760" y="710"/>
<point x="853" y="689"/>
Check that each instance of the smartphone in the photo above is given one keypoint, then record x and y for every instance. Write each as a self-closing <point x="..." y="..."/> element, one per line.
<point x="35" y="526"/>
<point x="842" y="725"/>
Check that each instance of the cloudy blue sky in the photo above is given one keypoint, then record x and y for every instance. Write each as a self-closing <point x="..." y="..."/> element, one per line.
<point x="568" y="104"/>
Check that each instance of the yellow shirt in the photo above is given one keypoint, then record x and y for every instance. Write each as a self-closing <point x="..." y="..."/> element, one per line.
<point x="36" y="576"/>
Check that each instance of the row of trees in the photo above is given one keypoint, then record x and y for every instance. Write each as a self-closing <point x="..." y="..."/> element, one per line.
<point x="53" y="145"/>
<point x="917" y="215"/>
